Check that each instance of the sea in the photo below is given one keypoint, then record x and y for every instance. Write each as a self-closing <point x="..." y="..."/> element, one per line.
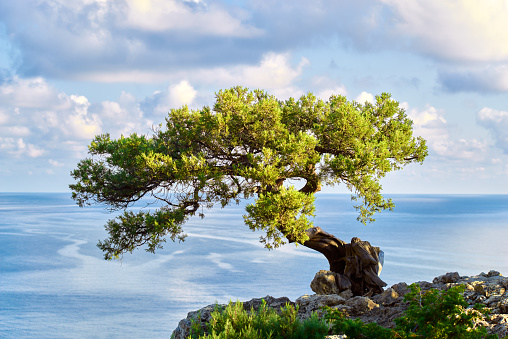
<point x="54" y="282"/>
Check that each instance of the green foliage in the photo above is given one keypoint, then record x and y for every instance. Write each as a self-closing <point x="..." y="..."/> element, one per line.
<point x="439" y="314"/>
<point x="234" y="322"/>
<point x="248" y="145"/>
<point x="281" y="213"/>
<point x="355" y="328"/>
<point x="431" y="314"/>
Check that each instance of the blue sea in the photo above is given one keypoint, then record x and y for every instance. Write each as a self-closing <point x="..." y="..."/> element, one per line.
<point x="55" y="284"/>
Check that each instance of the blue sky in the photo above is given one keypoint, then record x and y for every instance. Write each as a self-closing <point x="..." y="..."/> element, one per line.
<point x="72" y="69"/>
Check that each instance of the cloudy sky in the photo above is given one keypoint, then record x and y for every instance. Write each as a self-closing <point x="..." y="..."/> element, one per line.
<point x="72" y="69"/>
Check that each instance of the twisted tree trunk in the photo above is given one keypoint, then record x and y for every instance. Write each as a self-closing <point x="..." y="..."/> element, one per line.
<point x="358" y="262"/>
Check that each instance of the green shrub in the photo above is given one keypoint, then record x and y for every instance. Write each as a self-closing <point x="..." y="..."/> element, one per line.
<point x="440" y="314"/>
<point x="234" y="322"/>
<point x="431" y="314"/>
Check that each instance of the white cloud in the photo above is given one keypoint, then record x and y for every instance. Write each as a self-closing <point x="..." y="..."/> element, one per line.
<point x="82" y="127"/>
<point x="460" y="30"/>
<point x="325" y="94"/>
<point x="426" y="117"/>
<point x="170" y="15"/>
<point x="4" y="117"/>
<point x="18" y="147"/>
<point x="497" y="123"/>
<point x="175" y="96"/>
<point x="47" y="120"/>
<point x="274" y="71"/>
<point x="121" y="117"/>
<point x="55" y="163"/>
<point x="365" y="97"/>
<point x="71" y="39"/>
<point x="18" y="131"/>
<point x="79" y="123"/>
<point x="476" y="78"/>
<point x="181" y="94"/>
<point x="433" y="127"/>
<point x="27" y="93"/>
<point x="113" y="110"/>
<point x="6" y="143"/>
<point x="78" y="149"/>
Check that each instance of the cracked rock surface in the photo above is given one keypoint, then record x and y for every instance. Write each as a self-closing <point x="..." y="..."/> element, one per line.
<point x="490" y="289"/>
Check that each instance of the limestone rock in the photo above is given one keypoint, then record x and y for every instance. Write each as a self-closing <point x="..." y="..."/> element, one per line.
<point x="487" y="288"/>
<point x="451" y="277"/>
<point x="360" y="305"/>
<point x="388" y="297"/>
<point x="347" y="294"/>
<point x="503" y="306"/>
<point x="401" y="288"/>
<point x="491" y="273"/>
<point x="204" y="315"/>
<point x="311" y="303"/>
<point x="327" y="282"/>
<point x="272" y="302"/>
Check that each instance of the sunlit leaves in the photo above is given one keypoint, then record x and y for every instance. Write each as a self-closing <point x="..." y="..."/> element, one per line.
<point x="247" y="145"/>
<point x="280" y="215"/>
<point x="131" y="230"/>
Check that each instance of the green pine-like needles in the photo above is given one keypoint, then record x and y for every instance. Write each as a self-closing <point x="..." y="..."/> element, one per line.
<point x="248" y="145"/>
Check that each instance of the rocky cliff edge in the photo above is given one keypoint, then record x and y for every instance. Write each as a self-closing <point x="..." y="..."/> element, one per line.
<point x="490" y="289"/>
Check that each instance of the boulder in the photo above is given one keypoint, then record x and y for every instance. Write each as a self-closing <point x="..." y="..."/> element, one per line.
<point x="202" y="316"/>
<point x="389" y="297"/>
<point x="360" y="305"/>
<point x="328" y="282"/>
<point x="451" y="277"/>
<point x="401" y="288"/>
<point x="315" y="303"/>
<point x="272" y="302"/>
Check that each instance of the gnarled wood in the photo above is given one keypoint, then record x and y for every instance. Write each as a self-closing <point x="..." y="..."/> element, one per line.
<point x="358" y="261"/>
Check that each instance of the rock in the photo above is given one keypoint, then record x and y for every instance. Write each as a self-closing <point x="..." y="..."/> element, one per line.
<point x="388" y="297"/>
<point x="272" y="302"/>
<point x="491" y="273"/>
<point x="360" y="305"/>
<point x="487" y="288"/>
<point x="315" y="303"/>
<point x="499" y="319"/>
<point x="347" y="294"/>
<point x="425" y="285"/>
<point x="327" y="282"/>
<point x="480" y="289"/>
<point x="401" y="288"/>
<point x="450" y="277"/>
<point x="503" y="306"/>
<point x="204" y="315"/>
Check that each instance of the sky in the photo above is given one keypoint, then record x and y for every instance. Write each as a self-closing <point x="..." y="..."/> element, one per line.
<point x="70" y="70"/>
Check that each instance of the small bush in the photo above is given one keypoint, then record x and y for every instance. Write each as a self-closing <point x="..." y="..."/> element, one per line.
<point x="355" y="328"/>
<point x="440" y="314"/>
<point x="431" y="314"/>
<point x="234" y="322"/>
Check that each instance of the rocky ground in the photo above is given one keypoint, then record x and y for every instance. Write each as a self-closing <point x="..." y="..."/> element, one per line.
<point x="490" y="289"/>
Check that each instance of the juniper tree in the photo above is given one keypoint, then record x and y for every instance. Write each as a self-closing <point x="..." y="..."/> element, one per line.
<point x="248" y="145"/>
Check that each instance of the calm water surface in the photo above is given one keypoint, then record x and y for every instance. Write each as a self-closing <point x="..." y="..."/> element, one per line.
<point x="55" y="284"/>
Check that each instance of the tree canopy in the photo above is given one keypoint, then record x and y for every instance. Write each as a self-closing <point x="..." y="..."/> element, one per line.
<point x="249" y="145"/>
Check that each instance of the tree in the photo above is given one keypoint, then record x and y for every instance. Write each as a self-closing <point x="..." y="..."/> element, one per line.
<point x="249" y="145"/>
